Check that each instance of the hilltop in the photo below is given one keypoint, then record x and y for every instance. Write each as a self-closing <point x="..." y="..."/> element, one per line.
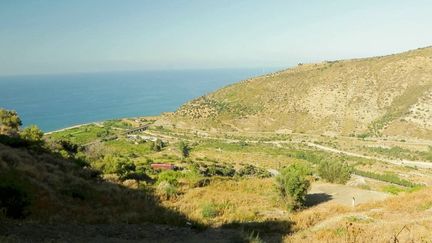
<point x="379" y="96"/>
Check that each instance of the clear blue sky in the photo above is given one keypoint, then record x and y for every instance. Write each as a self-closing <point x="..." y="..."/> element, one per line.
<point x="41" y="36"/>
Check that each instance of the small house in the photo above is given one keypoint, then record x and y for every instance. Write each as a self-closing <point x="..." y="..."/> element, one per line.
<point x="162" y="166"/>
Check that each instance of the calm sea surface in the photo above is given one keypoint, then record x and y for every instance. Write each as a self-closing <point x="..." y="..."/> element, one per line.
<point x="57" y="101"/>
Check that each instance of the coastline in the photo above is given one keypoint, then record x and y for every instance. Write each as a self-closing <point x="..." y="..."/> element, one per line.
<point x="71" y="127"/>
<point x="101" y="122"/>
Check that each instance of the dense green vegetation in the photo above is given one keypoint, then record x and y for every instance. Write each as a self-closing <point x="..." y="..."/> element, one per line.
<point x="402" y="153"/>
<point x="293" y="185"/>
<point x="334" y="171"/>
<point x="387" y="177"/>
<point x="184" y="149"/>
<point x="10" y="122"/>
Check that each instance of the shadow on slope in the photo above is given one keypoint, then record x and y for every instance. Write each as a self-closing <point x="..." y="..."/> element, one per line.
<point x="314" y="199"/>
<point x="45" y="196"/>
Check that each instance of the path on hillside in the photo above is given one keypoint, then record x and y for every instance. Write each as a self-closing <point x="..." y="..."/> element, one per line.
<point x="403" y="162"/>
<point x="278" y="143"/>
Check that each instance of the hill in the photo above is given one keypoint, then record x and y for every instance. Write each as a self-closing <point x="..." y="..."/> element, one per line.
<point x="379" y="96"/>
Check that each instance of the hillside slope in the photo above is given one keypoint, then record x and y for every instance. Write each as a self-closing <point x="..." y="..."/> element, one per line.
<point x="388" y="95"/>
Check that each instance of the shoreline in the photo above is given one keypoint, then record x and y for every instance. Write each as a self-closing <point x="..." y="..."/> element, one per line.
<point x="100" y="122"/>
<point x="71" y="127"/>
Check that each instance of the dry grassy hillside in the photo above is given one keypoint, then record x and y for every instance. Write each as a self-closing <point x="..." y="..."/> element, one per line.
<point x="389" y="95"/>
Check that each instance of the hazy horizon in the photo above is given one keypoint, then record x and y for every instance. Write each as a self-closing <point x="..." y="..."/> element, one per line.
<point x="52" y="37"/>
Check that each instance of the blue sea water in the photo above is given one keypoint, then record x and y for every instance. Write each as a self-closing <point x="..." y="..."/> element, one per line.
<point x="57" y="101"/>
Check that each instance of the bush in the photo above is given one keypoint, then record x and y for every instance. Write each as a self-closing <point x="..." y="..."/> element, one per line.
<point x="210" y="210"/>
<point x="220" y="170"/>
<point x="124" y="168"/>
<point x="388" y="177"/>
<point x="9" y="122"/>
<point x="184" y="149"/>
<point x="157" y="145"/>
<point x="334" y="171"/>
<point x="103" y="133"/>
<point x="69" y="147"/>
<point x="169" y="176"/>
<point x="32" y="134"/>
<point x="250" y="170"/>
<point x="393" y="189"/>
<point x="107" y="165"/>
<point x="167" y="190"/>
<point x="293" y="185"/>
<point x="15" y="142"/>
<point x="194" y="179"/>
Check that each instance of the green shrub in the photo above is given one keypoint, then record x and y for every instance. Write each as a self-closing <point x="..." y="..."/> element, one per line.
<point x="363" y="135"/>
<point x="109" y="163"/>
<point x="209" y="210"/>
<point x="293" y="185"/>
<point x="334" y="171"/>
<point x="193" y="179"/>
<point x="103" y="133"/>
<point x="393" y="189"/>
<point x="167" y="190"/>
<point x="32" y="134"/>
<point x="169" y="176"/>
<point x="309" y="156"/>
<point x="220" y="170"/>
<point x="10" y="122"/>
<point x="250" y="170"/>
<point x="184" y="149"/>
<point x="388" y="177"/>
<point x="15" y="142"/>
<point x="124" y="167"/>
<point x="157" y="145"/>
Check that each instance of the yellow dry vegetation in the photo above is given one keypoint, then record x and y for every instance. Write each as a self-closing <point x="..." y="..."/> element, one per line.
<point x="387" y="95"/>
<point x="233" y="201"/>
<point x="407" y="218"/>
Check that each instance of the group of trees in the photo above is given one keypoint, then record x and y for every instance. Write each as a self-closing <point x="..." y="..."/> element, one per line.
<point x="10" y="124"/>
<point x="293" y="182"/>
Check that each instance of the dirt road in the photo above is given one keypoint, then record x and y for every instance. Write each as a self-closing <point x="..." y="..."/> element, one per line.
<point x="342" y="194"/>
<point x="420" y="164"/>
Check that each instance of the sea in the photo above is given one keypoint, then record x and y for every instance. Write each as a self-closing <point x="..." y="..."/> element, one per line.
<point x="57" y="101"/>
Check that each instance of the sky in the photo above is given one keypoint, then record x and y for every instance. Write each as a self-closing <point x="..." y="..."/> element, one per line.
<point x="51" y="36"/>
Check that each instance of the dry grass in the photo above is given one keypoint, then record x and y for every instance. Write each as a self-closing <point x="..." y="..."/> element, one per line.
<point x="62" y="191"/>
<point x="375" y="222"/>
<point x="235" y="201"/>
<point x="341" y="97"/>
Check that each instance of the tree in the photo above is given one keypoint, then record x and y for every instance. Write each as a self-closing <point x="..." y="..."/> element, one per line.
<point x="32" y="133"/>
<point x="184" y="149"/>
<point x="157" y="145"/>
<point x="10" y="122"/>
<point x="293" y="185"/>
<point x="124" y="167"/>
<point x="96" y="150"/>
